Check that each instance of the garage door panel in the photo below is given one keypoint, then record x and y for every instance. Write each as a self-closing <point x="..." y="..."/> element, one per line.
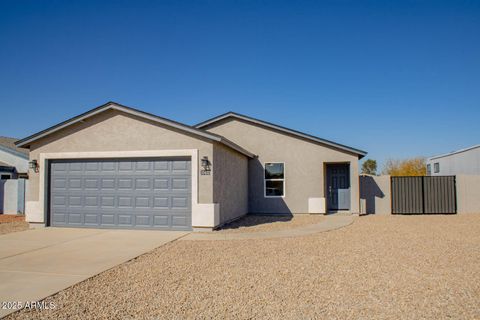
<point x="125" y="219"/>
<point x="59" y="183"/>
<point x="125" y="166"/>
<point x="75" y="218"/>
<point x="125" y="202"/>
<point x="75" y="201"/>
<point x="143" y="184"/>
<point x="143" y="166"/>
<point x="121" y="194"/>
<point x="91" y="183"/>
<point x="161" y="166"/>
<point x="179" y="220"/>
<point x="91" y="219"/>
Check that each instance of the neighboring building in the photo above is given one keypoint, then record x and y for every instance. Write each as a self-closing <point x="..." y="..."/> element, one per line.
<point x="465" y="161"/>
<point x="118" y="167"/>
<point x="13" y="172"/>
<point x="13" y="160"/>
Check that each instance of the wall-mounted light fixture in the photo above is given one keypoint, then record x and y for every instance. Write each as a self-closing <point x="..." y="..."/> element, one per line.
<point x="33" y="165"/>
<point x="205" y="163"/>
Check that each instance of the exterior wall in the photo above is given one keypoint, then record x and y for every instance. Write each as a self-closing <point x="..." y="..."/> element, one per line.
<point x="12" y="193"/>
<point x="468" y="193"/>
<point x="114" y="131"/>
<point x="230" y="182"/>
<point x="304" y="166"/>
<point x="20" y="163"/>
<point x="376" y="192"/>
<point x="466" y="162"/>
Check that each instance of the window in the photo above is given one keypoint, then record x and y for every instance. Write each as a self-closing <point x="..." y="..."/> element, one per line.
<point x="436" y="167"/>
<point x="429" y="169"/>
<point x="274" y="179"/>
<point x="5" y="177"/>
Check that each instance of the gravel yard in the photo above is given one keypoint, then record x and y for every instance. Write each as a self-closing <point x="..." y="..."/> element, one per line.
<point x="261" y="223"/>
<point x="12" y="223"/>
<point x="395" y="267"/>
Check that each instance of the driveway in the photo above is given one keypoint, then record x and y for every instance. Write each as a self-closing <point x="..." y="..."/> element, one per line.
<point x="37" y="263"/>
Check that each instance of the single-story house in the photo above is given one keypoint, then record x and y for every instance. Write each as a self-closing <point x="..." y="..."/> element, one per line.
<point x="118" y="167"/>
<point x="13" y="160"/>
<point x="13" y="174"/>
<point x="460" y="162"/>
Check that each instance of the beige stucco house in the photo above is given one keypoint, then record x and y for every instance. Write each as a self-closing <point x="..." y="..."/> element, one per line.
<point x="118" y="167"/>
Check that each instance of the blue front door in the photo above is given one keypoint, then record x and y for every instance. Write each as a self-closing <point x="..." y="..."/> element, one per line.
<point x="338" y="186"/>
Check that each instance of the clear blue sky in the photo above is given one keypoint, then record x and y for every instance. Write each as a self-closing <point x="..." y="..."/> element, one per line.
<point x="397" y="79"/>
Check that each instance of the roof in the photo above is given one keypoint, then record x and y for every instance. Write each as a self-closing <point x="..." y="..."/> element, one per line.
<point x="3" y="164"/>
<point x="292" y="132"/>
<point x="8" y="144"/>
<point x="455" y="152"/>
<point x="26" y="142"/>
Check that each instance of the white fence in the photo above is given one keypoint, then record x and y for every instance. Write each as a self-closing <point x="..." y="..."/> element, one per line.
<point x="12" y="196"/>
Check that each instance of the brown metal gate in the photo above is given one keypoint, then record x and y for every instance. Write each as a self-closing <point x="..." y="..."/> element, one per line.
<point x="424" y="195"/>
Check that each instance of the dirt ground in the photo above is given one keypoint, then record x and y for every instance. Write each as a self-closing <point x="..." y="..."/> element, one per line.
<point x="12" y="223"/>
<point x="4" y="218"/>
<point x="394" y="267"/>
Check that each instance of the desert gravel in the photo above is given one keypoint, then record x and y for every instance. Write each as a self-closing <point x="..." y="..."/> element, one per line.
<point x="395" y="267"/>
<point x="263" y="223"/>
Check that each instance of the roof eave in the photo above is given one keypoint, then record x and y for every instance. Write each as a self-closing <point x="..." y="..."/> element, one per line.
<point x="25" y="142"/>
<point x="14" y="152"/>
<point x="453" y="152"/>
<point x="358" y="152"/>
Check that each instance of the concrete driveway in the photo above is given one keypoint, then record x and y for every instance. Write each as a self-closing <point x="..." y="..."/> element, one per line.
<point x="37" y="263"/>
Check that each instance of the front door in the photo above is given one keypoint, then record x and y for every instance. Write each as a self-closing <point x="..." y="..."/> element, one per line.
<point x="338" y="186"/>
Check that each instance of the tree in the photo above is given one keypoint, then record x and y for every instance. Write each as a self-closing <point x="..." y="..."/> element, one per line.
<point x="369" y="167"/>
<point x="407" y="167"/>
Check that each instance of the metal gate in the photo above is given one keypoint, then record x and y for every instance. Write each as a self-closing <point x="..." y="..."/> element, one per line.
<point x="424" y="195"/>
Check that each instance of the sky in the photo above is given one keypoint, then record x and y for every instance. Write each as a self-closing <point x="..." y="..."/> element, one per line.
<point x="397" y="79"/>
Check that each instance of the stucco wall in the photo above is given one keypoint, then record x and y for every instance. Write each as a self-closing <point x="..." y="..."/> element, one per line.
<point x="468" y="193"/>
<point x="376" y="191"/>
<point x="116" y="131"/>
<point x="230" y="182"/>
<point x="304" y="166"/>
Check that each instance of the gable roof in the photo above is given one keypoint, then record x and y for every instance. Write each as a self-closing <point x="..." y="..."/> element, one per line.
<point x="7" y="144"/>
<point x="292" y="132"/>
<point x="454" y="152"/>
<point x="5" y="165"/>
<point x="26" y="142"/>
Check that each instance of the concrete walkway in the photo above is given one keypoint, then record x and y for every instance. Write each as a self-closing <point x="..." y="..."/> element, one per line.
<point x="37" y="263"/>
<point x="331" y="222"/>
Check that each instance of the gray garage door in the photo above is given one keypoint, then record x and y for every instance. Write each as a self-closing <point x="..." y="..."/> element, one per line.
<point x="121" y="193"/>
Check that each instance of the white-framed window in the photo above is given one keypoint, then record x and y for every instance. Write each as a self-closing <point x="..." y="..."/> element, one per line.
<point x="429" y="169"/>
<point x="436" y="167"/>
<point x="274" y="178"/>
